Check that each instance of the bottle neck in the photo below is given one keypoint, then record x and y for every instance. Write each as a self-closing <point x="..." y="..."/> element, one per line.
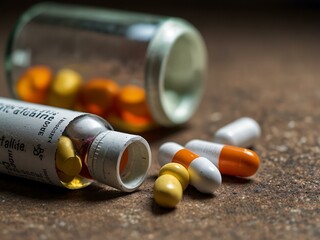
<point x="119" y="160"/>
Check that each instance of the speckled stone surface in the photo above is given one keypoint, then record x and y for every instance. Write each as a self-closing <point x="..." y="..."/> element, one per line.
<point x="263" y="66"/>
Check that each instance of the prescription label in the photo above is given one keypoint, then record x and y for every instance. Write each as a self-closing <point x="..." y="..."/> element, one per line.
<point x="29" y="136"/>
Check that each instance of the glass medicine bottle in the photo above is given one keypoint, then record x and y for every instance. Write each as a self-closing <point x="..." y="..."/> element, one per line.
<point x="69" y="149"/>
<point x="135" y="70"/>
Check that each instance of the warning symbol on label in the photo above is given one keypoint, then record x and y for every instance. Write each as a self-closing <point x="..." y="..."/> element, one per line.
<point x="38" y="150"/>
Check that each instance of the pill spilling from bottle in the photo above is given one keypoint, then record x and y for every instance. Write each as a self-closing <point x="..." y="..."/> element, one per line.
<point x="205" y="160"/>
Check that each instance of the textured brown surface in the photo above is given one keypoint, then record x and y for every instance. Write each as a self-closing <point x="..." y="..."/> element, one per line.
<point x="263" y="66"/>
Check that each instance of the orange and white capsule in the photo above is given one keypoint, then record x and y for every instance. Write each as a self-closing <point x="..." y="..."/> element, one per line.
<point x="230" y="160"/>
<point x="204" y="176"/>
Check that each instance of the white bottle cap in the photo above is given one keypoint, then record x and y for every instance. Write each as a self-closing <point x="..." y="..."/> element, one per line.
<point x="175" y="72"/>
<point x="106" y="152"/>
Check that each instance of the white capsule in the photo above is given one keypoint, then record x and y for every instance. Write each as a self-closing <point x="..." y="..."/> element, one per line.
<point x="204" y="175"/>
<point x="243" y="132"/>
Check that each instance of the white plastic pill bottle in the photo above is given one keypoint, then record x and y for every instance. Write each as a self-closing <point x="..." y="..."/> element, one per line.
<point x="29" y="136"/>
<point x="165" y="56"/>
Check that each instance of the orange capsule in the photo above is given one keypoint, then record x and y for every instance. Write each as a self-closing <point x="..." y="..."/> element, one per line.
<point x="133" y="106"/>
<point x="230" y="160"/>
<point x="33" y="85"/>
<point x="98" y="95"/>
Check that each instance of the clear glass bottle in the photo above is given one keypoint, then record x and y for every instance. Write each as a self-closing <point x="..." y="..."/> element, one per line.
<point x="31" y="147"/>
<point x="157" y="63"/>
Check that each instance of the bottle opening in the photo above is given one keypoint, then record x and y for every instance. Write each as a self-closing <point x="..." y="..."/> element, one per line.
<point x="183" y="80"/>
<point x="175" y="72"/>
<point x="119" y="160"/>
<point x="133" y="164"/>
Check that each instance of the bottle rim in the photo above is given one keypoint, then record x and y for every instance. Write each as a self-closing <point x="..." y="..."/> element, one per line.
<point x="175" y="72"/>
<point x="105" y="160"/>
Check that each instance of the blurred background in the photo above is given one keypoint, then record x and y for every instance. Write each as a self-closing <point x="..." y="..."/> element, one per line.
<point x="235" y="18"/>
<point x="264" y="62"/>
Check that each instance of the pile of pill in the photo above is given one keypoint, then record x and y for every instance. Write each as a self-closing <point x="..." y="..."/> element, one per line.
<point x="205" y="161"/>
<point x="125" y="107"/>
